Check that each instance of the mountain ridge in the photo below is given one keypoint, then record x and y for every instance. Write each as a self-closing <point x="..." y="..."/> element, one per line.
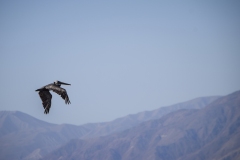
<point x="132" y="120"/>
<point x="29" y="138"/>
<point x="210" y="133"/>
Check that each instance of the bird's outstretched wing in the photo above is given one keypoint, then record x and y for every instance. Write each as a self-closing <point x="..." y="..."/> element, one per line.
<point x="62" y="92"/>
<point x="46" y="97"/>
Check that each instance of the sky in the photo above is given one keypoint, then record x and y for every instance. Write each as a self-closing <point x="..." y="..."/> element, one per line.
<point x="120" y="57"/>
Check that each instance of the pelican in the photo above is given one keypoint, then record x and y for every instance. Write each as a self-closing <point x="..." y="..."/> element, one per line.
<point x="46" y="96"/>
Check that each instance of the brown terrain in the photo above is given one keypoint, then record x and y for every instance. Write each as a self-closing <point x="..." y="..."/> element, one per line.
<point x="200" y="134"/>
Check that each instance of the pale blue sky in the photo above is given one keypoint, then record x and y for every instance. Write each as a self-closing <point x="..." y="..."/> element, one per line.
<point x="121" y="57"/>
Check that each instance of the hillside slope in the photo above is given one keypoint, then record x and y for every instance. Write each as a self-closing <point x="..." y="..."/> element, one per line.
<point x="210" y="133"/>
<point x="25" y="137"/>
<point x="129" y="121"/>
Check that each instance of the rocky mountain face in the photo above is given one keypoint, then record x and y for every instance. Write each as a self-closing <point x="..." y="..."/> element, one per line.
<point x="25" y="137"/>
<point x="209" y="133"/>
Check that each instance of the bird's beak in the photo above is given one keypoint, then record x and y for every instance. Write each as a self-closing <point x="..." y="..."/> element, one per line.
<point x="64" y="83"/>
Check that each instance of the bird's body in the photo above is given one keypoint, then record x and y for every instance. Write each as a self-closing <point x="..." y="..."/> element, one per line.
<point x="46" y="96"/>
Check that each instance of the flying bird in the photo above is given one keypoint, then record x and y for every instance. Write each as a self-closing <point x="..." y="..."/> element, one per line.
<point x="46" y="96"/>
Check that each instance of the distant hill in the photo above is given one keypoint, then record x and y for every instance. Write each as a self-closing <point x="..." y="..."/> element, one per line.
<point x="129" y="121"/>
<point x="25" y="137"/>
<point x="210" y="133"/>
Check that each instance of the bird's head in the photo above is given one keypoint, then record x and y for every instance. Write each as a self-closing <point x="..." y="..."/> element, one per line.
<point x="59" y="83"/>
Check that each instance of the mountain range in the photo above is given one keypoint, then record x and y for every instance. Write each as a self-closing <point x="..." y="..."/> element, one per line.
<point x="200" y="134"/>
<point x="180" y="131"/>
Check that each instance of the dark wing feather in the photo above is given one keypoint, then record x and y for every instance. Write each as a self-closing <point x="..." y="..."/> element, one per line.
<point x="61" y="91"/>
<point x="46" y="97"/>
